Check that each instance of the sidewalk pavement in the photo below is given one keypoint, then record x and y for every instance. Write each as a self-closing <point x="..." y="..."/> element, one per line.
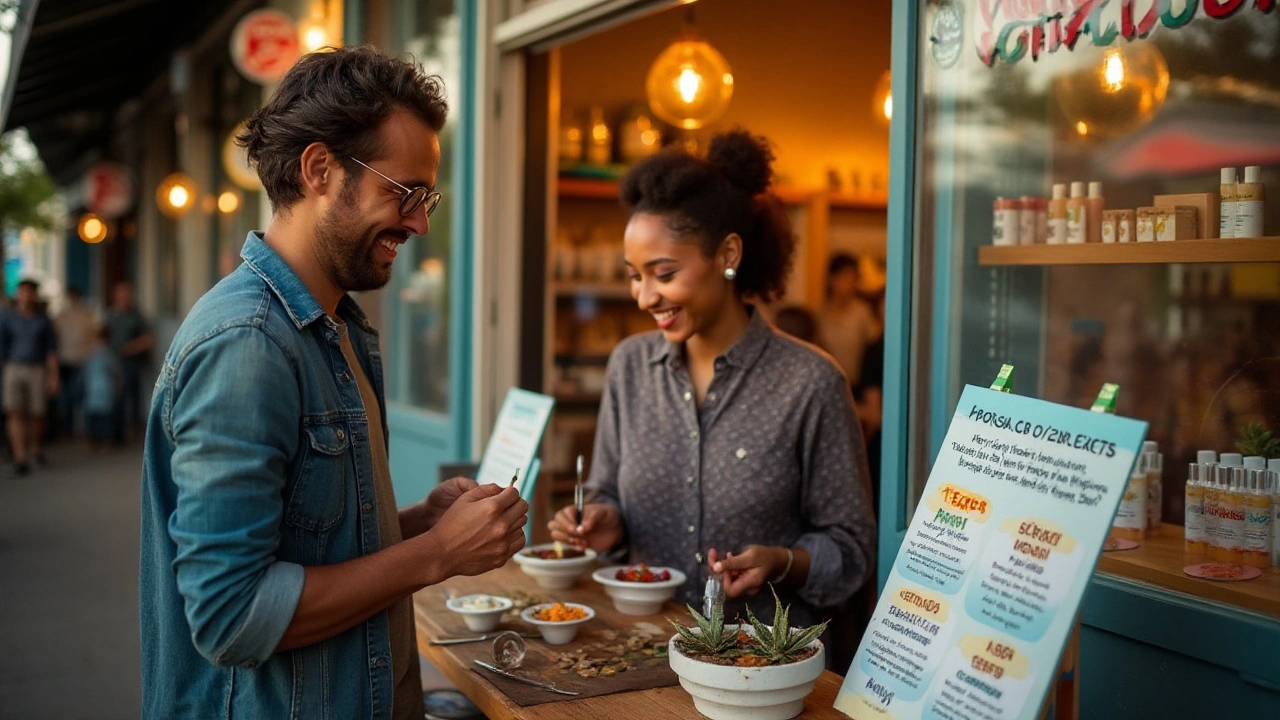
<point x="69" y="588"/>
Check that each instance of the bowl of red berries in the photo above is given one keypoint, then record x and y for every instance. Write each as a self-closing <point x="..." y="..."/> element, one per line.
<point x="639" y="589"/>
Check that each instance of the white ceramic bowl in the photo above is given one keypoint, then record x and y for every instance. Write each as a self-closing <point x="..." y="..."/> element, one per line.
<point x="556" y="633"/>
<point x="638" y="598"/>
<point x="479" y="620"/>
<point x="554" y="573"/>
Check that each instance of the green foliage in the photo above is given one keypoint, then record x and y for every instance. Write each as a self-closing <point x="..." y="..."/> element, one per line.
<point x="1256" y="439"/>
<point x="711" y="638"/>
<point x="780" y="644"/>
<point x="27" y="193"/>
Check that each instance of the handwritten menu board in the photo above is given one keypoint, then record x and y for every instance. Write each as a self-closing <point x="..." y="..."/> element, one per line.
<point x="986" y="585"/>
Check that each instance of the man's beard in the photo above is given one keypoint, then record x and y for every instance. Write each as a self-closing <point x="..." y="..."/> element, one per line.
<point x="346" y="250"/>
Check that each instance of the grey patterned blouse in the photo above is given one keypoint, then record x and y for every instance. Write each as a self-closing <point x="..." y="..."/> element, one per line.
<point x="774" y="456"/>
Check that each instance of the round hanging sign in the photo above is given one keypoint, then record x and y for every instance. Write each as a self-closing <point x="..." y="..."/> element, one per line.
<point x="264" y="45"/>
<point x="107" y="190"/>
<point x="235" y="161"/>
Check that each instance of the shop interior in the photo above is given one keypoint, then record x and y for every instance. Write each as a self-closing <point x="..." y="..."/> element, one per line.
<point x="819" y="95"/>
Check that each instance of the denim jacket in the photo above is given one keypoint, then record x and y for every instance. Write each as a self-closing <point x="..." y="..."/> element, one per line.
<point x="256" y="465"/>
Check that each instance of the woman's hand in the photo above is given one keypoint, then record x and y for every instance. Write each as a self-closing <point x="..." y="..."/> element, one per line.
<point x="747" y="572"/>
<point x="601" y="527"/>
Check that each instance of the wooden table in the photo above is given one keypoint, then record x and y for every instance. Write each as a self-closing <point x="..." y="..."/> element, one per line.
<point x="665" y="702"/>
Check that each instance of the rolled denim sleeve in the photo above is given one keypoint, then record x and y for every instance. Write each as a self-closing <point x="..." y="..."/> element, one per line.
<point x="233" y="422"/>
<point x="840" y="535"/>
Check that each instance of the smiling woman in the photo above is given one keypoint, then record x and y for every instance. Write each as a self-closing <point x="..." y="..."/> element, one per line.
<point x="723" y="444"/>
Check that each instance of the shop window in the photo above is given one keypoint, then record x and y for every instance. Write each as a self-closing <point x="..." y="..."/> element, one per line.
<point x="423" y="286"/>
<point x="1150" y="108"/>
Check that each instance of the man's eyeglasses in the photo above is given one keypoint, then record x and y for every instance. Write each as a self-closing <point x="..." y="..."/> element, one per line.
<point x="410" y="198"/>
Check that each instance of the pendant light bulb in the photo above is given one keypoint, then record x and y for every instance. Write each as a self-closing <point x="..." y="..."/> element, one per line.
<point x="690" y="83"/>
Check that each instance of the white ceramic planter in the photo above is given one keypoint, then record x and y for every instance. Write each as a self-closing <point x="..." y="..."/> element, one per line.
<point x="726" y="692"/>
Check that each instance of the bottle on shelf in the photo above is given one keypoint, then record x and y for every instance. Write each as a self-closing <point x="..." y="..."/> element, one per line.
<point x="1258" y="527"/>
<point x="599" y="139"/>
<point x="1250" y="204"/>
<point x="1193" y="526"/>
<point x="1155" y="485"/>
<point x="1057" y="216"/>
<point x="1004" y="226"/>
<point x="1273" y="469"/>
<point x="1077" y="215"/>
<point x="1227" y="203"/>
<point x="570" y="146"/>
<point x="1131" y="519"/>
<point x="1094" y="205"/>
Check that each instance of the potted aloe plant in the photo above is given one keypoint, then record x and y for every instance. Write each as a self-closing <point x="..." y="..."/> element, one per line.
<point x="747" y="672"/>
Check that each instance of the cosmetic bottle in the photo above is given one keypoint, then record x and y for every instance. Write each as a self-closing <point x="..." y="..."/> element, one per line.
<point x="1057" y="216"/>
<point x="1004" y="221"/>
<point x="1131" y="518"/>
<point x="1193" y="525"/>
<point x="1078" y="216"/>
<point x="1232" y="530"/>
<point x="1212" y="511"/>
<point x="1273" y="469"/>
<point x="1227" y="203"/>
<point x="1094" y="205"/>
<point x="1250" y="204"/>
<point x="1258" y="519"/>
<point x="1155" y="485"/>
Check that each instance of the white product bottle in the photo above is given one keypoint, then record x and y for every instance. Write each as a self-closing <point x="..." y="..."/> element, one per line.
<point x="1077" y="215"/>
<point x="1250" y="204"/>
<point x="1227" y="203"/>
<point x="1057" y="216"/>
<point x="1212" y="507"/>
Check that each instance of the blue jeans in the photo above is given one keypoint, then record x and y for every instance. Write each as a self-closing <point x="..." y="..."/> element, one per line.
<point x="125" y="415"/>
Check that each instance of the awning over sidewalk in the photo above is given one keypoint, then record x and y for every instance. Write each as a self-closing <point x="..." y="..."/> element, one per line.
<point x="84" y="59"/>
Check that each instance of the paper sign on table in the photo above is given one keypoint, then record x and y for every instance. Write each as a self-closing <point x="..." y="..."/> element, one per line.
<point x="989" y="578"/>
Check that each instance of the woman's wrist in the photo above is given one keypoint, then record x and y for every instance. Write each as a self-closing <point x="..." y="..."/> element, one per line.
<point x="786" y="568"/>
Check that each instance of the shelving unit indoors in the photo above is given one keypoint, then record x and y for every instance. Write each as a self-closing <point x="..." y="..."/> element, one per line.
<point x="1233" y="250"/>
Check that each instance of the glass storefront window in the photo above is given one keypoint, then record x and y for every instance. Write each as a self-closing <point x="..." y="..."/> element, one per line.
<point x="1148" y="99"/>
<point x="421" y="304"/>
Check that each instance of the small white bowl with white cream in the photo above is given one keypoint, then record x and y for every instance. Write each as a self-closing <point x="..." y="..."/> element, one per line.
<point x="481" y="612"/>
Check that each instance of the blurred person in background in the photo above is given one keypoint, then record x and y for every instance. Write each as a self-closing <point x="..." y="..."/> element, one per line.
<point x="28" y="345"/>
<point x="797" y="322"/>
<point x="102" y="380"/>
<point x="77" y="332"/>
<point x="131" y="340"/>
<point x="847" y="323"/>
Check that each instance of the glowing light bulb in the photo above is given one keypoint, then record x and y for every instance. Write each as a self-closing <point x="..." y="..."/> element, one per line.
<point x="91" y="228"/>
<point x="882" y="99"/>
<point x="228" y="202"/>
<point x="176" y="195"/>
<point x="688" y="85"/>
<point x="1113" y="72"/>
<point x="1082" y="128"/>
<point x="888" y="108"/>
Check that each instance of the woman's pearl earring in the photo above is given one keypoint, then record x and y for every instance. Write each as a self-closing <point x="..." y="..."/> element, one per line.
<point x="730" y="273"/>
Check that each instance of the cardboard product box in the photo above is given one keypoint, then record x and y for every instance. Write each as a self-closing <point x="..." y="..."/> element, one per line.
<point x="1207" y="206"/>
<point x="1175" y="223"/>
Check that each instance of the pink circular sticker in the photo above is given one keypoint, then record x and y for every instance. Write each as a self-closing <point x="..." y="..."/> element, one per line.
<point x="1225" y="572"/>
<point x="1113" y="544"/>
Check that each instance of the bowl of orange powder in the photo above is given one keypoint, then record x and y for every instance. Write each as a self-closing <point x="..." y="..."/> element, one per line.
<point x="558" y="622"/>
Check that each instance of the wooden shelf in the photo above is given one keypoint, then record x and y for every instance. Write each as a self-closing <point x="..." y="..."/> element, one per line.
<point x="611" y="290"/>
<point x="1159" y="560"/>
<point x="858" y="202"/>
<point x="1234" y="250"/>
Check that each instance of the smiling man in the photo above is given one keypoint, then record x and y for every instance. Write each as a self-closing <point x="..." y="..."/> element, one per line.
<point x="276" y="568"/>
